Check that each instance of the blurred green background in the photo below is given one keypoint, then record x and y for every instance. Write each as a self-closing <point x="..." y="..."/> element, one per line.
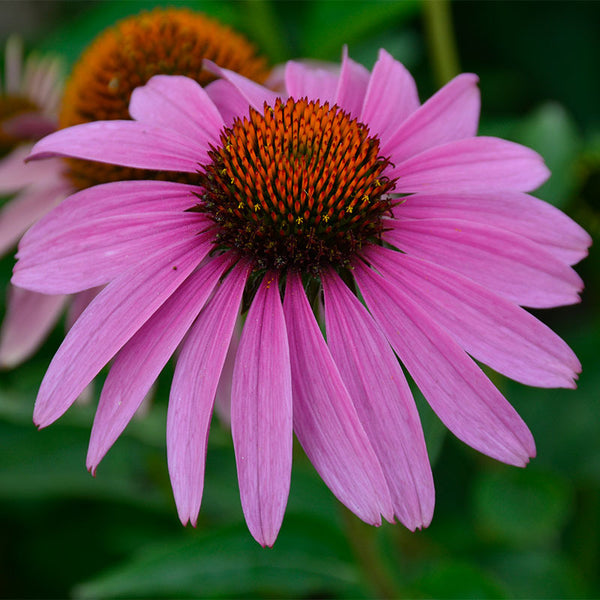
<point x="498" y="531"/>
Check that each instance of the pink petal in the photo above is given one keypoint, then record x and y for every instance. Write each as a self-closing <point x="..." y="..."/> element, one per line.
<point x="325" y="420"/>
<point x="255" y="94"/>
<point x="480" y="164"/>
<point x="28" y="320"/>
<point x="513" y="211"/>
<point x="390" y="98"/>
<point x="457" y="390"/>
<point x="15" y="174"/>
<point x="451" y="114"/>
<point x="98" y="250"/>
<point x="510" y="265"/>
<point x="126" y="143"/>
<point x="493" y="330"/>
<point x="303" y="79"/>
<point x="179" y="103"/>
<point x="140" y="361"/>
<point x="116" y="199"/>
<point x="193" y="392"/>
<point x="109" y="322"/>
<point x="230" y="102"/>
<point x="25" y="209"/>
<point x="383" y="402"/>
<point x="261" y="414"/>
<point x="352" y="86"/>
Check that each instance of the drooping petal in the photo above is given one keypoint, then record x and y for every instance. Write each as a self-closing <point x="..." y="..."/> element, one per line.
<point x="179" y="103"/>
<point x="140" y="361"/>
<point x="98" y="250"/>
<point x="28" y="320"/>
<point x="303" y="79"/>
<point x="517" y="212"/>
<point x="193" y="392"/>
<point x="390" y="98"/>
<point x="109" y="322"/>
<point x="255" y="94"/>
<point x="493" y="330"/>
<point x="383" y="402"/>
<point x="25" y="209"/>
<point x="479" y="164"/>
<point x="458" y="391"/>
<point x="325" y="420"/>
<point x="126" y="143"/>
<point x="116" y="199"/>
<point x="450" y="114"/>
<point x="261" y="414"/>
<point x="352" y="86"/>
<point x="510" y="265"/>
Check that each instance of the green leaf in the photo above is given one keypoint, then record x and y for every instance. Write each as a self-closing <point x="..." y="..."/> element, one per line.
<point x="538" y="575"/>
<point x="330" y="25"/>
<point x="308" y="559"/>
<point x="51" y="463"/>
<point x="551" y="131"/>
<point x="453" y="579"/>
<point x="521" y="507"/>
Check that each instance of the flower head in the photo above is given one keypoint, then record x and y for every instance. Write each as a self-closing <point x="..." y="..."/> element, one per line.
<point x="120" y="59"/>
<point x="29" y="98"/>
<point x="386" y="221"/>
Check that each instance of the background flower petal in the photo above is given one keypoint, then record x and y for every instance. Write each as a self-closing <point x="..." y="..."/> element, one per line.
<point x="28" y="320"/>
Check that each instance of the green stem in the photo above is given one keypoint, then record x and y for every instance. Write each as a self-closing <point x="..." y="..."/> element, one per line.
<point x="440" y="39"/>
<point x="365" y="548"/>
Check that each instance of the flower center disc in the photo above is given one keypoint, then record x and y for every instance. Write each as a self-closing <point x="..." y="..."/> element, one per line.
<point x="126" y="56"/>
<point x="298" y="187"/>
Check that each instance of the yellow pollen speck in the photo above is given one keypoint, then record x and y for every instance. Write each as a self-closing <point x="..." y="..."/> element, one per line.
<point x="240" y="204"/>
<point x="256" y="207"/>
<point x="365" y="198"/>
<point x="350" y="209"/>
<point x="377" y="183"/>
<point x="326" y="218"/>
<point x="299" y="220"/>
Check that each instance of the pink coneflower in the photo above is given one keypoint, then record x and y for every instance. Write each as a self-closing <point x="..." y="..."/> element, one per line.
<point x="385" y="222"/>
<point x="29" y="101"/>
